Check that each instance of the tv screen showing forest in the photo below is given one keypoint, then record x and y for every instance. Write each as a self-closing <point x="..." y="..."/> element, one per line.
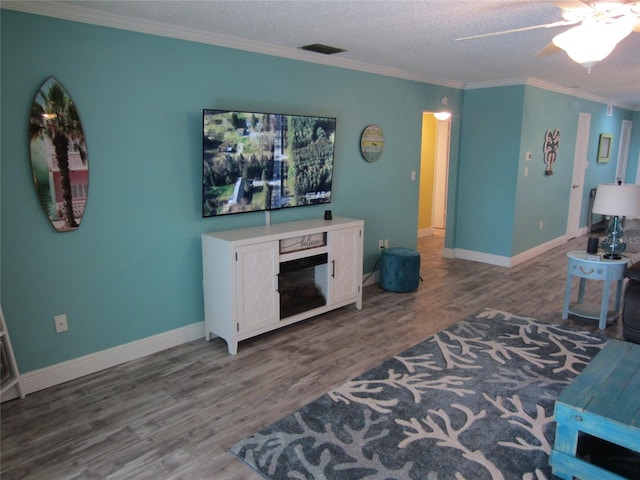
<point x="265" y="161"/>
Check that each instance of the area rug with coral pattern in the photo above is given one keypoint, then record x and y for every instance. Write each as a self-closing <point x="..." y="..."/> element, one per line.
<point x="474" y="401"/>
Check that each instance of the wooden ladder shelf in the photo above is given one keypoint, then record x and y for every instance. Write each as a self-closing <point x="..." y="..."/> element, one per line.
<point x="10" y="374"/>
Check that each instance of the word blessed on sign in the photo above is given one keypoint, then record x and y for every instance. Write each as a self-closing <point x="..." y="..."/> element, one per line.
<point x="303" y="242"/>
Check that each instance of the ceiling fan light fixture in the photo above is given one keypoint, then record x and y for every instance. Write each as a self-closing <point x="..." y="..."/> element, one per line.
<point x="592" y="41"/>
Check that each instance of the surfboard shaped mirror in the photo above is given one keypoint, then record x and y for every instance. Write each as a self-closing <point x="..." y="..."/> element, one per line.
<point x="59" y="160"/>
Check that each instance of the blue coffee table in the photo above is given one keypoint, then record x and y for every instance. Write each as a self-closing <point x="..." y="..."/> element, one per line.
<point x="604" y="402"/>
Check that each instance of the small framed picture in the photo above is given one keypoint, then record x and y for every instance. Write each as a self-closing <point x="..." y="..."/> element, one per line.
<point x="604" y="147"/>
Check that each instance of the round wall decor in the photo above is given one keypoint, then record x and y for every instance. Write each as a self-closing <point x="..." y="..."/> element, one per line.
<point x="372" y="143"/>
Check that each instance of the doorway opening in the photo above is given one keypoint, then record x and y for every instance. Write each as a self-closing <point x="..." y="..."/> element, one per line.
<point x="434" y="173"/>
<point x="579" y="168"/>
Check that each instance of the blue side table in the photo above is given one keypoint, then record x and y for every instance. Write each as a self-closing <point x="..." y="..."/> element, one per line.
<point x="603" y="269"/>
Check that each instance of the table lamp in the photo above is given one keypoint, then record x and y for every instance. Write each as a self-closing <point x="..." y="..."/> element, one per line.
<point x="616" y="200"/>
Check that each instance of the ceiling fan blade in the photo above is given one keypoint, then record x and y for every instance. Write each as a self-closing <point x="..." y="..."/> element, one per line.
<point x="523" y="29"/>
<point x="550" y="49"/>
<point x="573" y="4"/>
<point x="591" y="5"/>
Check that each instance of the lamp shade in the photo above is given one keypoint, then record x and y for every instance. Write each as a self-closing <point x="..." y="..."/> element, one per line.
<point x="619" y="200"/>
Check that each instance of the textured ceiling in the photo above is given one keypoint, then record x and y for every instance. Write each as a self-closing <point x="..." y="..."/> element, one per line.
<point x="410" y="39"/>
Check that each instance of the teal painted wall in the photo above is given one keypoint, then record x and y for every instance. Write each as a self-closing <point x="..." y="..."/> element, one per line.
<point x="499" y="210"/>
<point x="546" y="198"/>
<point x="491" y="127"/>
<point x="133" y="269"/>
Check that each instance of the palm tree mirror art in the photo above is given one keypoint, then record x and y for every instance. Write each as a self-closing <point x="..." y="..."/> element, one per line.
<point x="59" y="161"/>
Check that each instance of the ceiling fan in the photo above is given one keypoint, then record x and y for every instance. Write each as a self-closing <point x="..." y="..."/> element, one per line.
<point x="599" y="26"/>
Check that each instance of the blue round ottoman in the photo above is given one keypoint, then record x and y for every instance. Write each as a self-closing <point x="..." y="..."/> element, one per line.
<point x="400" y="269"/>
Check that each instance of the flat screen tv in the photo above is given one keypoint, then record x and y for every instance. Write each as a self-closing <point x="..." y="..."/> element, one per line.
<point x="253" y="161"/>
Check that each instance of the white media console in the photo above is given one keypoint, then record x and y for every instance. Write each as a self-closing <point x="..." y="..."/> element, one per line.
<point x="258" y="279"/>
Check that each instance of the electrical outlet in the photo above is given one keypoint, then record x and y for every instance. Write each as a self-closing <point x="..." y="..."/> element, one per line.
<point x="61" y="323"/>
<point x="380" y="244"/>
<point x="541" y="224"/>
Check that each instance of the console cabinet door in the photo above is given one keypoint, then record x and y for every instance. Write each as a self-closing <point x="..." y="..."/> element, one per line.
<point x="257" y="300"/>
<point x="345" y="248"/>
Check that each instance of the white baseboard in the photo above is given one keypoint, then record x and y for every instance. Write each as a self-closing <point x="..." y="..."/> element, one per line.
<point x="371" y="278"/>
<point x="482" y="257"/>
<point x="539" y="249"/>
<point x="79" y="367"/>
<point x="503" y="261"/>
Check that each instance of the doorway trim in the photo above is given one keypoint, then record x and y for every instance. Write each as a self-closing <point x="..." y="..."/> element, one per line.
<point x="441" y="186"/>
<point x="434" y="174"/>
<point x="623" y="150"/>
<point x="576" y="193"/>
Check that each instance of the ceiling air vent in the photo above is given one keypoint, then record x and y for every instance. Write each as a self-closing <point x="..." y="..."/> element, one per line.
<point x="324" y="49"/>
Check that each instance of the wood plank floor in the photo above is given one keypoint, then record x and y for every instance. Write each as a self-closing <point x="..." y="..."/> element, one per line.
<point x="172" y="415"/>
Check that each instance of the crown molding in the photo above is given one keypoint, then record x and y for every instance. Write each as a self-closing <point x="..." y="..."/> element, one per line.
<point x="534" y="82"/>
<point x="81" y="14"/>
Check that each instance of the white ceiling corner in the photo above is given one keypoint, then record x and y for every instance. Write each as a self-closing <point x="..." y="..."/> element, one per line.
<point x="411" y="39"/>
